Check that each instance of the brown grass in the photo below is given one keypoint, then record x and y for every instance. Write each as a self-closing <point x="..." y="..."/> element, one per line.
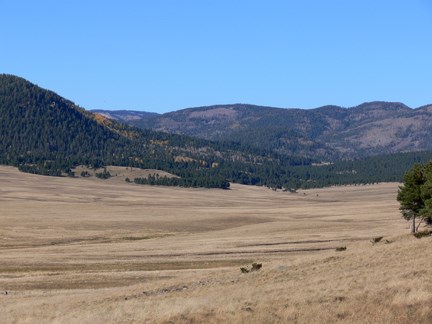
<point x="119" y="174"/>
<point x="95" y="251"/>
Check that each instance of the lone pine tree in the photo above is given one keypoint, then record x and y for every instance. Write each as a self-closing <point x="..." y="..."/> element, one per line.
<point x="415" y="195"/>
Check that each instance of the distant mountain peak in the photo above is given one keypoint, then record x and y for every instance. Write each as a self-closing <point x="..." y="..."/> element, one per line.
<point x="373" y="105"/>
<point x="125" y="116"/>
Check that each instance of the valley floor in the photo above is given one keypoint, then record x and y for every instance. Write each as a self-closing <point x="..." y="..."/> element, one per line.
<point x="97" y="251"/>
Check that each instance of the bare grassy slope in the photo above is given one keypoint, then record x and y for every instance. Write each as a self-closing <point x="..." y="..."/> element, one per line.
<point x="88" y="250"/>
<point x="120" y="174"/>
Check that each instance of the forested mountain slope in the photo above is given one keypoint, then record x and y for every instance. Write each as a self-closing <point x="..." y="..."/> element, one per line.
<point x="328" y="133"/>
<point x="44" y="133"/>
<point x="41" y="132"/>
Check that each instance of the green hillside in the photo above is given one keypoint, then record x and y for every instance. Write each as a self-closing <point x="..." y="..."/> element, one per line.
<point x="44" y="133"/>
<point x="41" y="132"/>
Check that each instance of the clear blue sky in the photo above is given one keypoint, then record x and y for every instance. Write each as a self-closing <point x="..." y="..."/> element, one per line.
<point x="166" y="55"/>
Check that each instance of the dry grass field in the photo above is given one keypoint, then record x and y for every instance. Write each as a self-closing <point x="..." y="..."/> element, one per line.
<point x="104" y="251"/>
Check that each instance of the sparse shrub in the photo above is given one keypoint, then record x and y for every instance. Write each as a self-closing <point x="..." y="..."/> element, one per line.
<point x="419" y="235"/>
<point x="85" y="174"/>
<point x="255" y="267"/>
<point x="341" y="248"/>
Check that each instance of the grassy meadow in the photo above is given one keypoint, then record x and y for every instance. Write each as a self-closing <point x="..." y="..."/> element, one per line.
<point x="86" y="250"/>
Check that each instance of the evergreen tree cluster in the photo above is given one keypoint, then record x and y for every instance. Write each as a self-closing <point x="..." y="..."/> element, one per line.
<point x="415" y="195"/>
<point x="103" y="175"/>
<point x="189" y="182"/>
<point x="383" y="168"/>
<point x="43" y="133"/>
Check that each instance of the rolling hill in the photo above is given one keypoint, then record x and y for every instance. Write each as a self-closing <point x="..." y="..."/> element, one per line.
<point x="328" y="133"/>
<point x="131" y="117"/>
<point x="42" y="132"/>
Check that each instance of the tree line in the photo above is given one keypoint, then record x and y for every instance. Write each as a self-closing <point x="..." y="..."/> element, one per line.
<point x="43" y="133"/>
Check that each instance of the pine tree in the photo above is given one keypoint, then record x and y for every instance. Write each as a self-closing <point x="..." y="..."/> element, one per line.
<point x="410" y="197"/>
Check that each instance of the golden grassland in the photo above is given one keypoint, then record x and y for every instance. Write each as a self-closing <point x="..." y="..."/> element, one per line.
<point x="95" y="251"/>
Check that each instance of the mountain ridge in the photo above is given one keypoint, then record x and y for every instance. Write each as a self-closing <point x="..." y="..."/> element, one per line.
<point x="125" y="116"/>
<point x="42" y="132"/>
<point x="328" y="132"/>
